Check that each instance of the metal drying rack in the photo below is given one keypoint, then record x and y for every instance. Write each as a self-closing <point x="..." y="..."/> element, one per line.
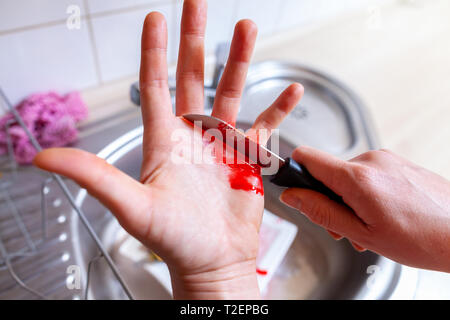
<point x="14" y="223"/>
<point x="32" y="246"/>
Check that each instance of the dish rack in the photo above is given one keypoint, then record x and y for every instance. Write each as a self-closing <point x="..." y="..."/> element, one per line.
<point x="35" y="207"/>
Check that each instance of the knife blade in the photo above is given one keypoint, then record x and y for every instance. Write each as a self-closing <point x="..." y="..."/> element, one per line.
<point x="236" y="139"/>
<point x="283" y="172"/>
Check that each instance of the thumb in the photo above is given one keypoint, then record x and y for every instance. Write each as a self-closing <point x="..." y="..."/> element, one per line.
<point x="326" y="213"/>
<point x="127" y="199"/>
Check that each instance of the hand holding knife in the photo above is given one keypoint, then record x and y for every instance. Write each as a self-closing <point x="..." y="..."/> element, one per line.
<point x="287" y="173"/>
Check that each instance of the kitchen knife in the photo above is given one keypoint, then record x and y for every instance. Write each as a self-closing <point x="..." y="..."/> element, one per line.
<point x="283" y="172"/>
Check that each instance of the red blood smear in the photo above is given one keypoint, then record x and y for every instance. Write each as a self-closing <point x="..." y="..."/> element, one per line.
<point x="242" y="176"/>
<point x="261" y="272"/>
<point x="246" y="177"/>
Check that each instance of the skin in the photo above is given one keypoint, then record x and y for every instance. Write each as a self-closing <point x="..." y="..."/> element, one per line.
<point x="394" y="207"/>
<point x="206" y="232"/>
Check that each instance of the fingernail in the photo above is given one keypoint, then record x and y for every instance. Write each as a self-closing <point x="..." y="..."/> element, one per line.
<point x="335" y="235"/>
<point x="358" y="247"/>
<point x="290" y="201"/>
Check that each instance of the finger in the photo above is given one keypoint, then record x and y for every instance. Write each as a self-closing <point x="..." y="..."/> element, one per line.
<point x="156" y="105"/>
<point x="190" y="68"/>
<point x="231" y="85"/>
<point x="272" y="117"/>
<point x="325" y="212"/>
<point x="116" y="190"/>
<point x="155" y="96"/>
<point x="334" y="235"/>
<point x="330" y="170"/>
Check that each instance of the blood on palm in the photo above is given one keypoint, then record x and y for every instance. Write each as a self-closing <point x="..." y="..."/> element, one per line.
<point x="242" y="175"/>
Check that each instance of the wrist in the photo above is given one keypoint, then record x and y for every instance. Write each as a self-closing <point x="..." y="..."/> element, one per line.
<point x="237" y="281"/>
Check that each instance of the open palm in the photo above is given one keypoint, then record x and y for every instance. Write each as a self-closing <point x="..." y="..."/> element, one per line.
<point x="186" y="212"/>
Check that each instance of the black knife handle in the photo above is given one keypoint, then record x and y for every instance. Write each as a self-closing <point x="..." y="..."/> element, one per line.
<point x="294" y="175"/>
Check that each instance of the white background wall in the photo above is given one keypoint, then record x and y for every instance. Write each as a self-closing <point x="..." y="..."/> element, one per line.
<point x="39" y="52"/>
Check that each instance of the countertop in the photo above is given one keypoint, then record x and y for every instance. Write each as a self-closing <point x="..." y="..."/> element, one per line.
<point x="397" y="61"/>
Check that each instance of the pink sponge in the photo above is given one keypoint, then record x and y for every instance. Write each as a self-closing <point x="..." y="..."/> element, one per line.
<point x="51" y="118"/>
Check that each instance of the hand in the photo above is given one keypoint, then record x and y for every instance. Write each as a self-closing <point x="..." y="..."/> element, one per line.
<point x="206" y="231"/>
<point x="395" y="208"/>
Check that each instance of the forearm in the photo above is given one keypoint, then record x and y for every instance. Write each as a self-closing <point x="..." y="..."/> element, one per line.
<point x="237" y="281"/>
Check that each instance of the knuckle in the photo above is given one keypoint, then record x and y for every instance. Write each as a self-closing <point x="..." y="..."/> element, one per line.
<point x="156" y="50"/>
<point x="319" y="215"/>
<point x="340" y="176"/>
<point x="190" y="75"/>
<point x="265" y="122"/>
<point x="193" y="32"/>
<point x="373" y="155"/>
<point x="386" y="151"/>
<point x="363" y="175"/>
<point x="102" y="175"/>
<point x="159" y="83"/>
<point x="230" y="93"/>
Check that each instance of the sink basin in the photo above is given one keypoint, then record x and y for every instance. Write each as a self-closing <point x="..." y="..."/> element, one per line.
<point x="315" y="267"/>
<point x="329" y="117"/>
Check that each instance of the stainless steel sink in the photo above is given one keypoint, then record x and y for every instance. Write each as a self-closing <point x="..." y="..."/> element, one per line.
<point x="329" y="117"/>
<point x="315" y="267"/>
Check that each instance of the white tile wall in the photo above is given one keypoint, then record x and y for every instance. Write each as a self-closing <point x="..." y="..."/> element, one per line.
<point x="220" y="23"/>
<point x="295" y="13"/>
<point x="98" y="6"/>
<point x="117" y="39"/>
<point x="178" y="9"/>
<point x="46" y="58"/>
<point x="21" y="13"/>
<point x="263" y="12"/>
<point x="38" y="52"/>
